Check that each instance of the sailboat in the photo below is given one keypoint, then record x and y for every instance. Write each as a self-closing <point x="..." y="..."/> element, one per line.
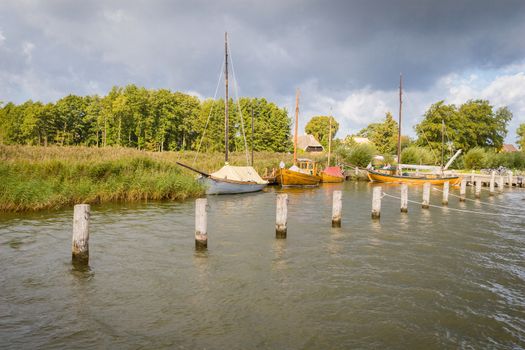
<point x="331" y="173"/>
<point x="303" y="172"/>
<point x="229" y="179"/>
<point x="396" y="175"/>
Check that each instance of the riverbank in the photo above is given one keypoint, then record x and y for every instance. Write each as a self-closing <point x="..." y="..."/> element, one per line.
<point x="37" y="178"/>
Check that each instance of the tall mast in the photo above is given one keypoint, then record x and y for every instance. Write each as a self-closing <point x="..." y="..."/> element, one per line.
<point x="329" y="138"/>
<point x="442" y="143"/>
<point x="226" y="131"/>
<point x="399" y="125"/>
<point x="253" y="129"/>
<point x="296" y="126"/>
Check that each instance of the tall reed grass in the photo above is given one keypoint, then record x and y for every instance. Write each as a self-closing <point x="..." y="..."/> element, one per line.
<point x="35" y="178"/>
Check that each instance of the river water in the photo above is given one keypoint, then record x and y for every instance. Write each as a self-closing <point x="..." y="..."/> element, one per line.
<point x="429" y="279"/>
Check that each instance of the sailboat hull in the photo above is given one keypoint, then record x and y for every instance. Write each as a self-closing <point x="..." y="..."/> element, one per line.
<point x="331" y="178"/>
<point x="290" y="178"/>
<point x="434" y="180"/>
<point x="222" y="186"/>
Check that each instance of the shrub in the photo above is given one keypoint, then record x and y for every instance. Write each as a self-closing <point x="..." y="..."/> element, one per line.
<point x="417" y="155"/>
<point x="475" y="158"/>
<point x="358" y="154"/>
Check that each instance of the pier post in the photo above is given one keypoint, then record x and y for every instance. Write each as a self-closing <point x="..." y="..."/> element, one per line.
<point x="376" y="202"/>
<point x="462" y="190"/>
<point x="281" y="216"/>
<point x="404" y="198"/>
<point x="510" y="178"/>
<point x="478" y="187"/>
<point x="80" y="241"/>
<point x="446" y="187"/>
<point x="492" y="181"/>
<point x="337" y="206"/>
<point x="426" y="195"/>
<point x="201" y="224"/>
<point x="501" y="183"/>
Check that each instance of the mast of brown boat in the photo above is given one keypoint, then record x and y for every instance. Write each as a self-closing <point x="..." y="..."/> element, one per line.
<point x="399" y="126"/>
<point x="329" y="139"/>
<point x="296" y="126"/>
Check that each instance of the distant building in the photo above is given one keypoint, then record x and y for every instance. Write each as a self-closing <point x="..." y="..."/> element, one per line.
<point x="361" y="139"/>
<point x="308" y="143"/>
<point x="508" y="148"/>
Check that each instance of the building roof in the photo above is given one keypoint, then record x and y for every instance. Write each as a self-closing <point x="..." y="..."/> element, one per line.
<point x="508" y="148"/>
<point x="308" y="143"/>
<point x="361" y="139"/>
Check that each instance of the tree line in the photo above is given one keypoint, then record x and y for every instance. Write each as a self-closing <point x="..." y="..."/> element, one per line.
<point x="155" y="120"/>
<point x="475" y="123"/>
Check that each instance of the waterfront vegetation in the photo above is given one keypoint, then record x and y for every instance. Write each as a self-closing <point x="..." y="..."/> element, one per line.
<point x="35" y="178"/>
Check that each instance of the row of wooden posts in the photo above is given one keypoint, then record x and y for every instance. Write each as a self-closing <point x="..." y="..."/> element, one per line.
<point x="80" y="242"/>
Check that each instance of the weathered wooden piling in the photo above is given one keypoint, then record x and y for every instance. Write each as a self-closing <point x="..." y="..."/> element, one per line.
<point x="376" y="202"/>
<point x="404" y="198"/>
<point x="201" y="224"/>
<point x="478" y="187"/>
<point x="492" y="182"/>
<point x="426" y="195"/>
<point x="510" y="178"/>
<point x="337" y="206"/>
<point x="281" y="216"/>
<point x="501" y="182"/>
<point x="446" y="187"/>
<point x="80" y="242"/>
<point x="463" y="190"/>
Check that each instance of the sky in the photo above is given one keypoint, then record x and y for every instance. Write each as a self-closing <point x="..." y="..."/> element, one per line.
<point x="344" y="56"/>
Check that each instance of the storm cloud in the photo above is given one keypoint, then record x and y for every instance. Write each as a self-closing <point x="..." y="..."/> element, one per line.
<point x="343" y="54"/>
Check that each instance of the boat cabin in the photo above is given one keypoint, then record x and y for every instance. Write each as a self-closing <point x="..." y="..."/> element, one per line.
<point x="307" y="166"/>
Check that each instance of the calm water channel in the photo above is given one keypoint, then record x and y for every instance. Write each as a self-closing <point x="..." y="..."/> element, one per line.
<point x="429" y="279"/>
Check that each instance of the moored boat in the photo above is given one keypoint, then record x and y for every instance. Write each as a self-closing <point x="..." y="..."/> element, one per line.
<point x="230" y="179"/>
<point x="397" y="176"/>
<point x="379" y="176"/>
<point x="332" y="174"/>
<point x="304" y="174"/>
<point x="304" y="171"/>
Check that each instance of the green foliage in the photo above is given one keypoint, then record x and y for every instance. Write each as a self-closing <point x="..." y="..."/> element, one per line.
<point x="521" y="136"/>
<point x="319" y="127"/>
<point x="155" y="120"/>
<point x="357" y="154"/>
<point x="383" y="135"/>
<point x="473" y="124"/>
<point x="418" y="155"/>
<point x="475" y="158"/>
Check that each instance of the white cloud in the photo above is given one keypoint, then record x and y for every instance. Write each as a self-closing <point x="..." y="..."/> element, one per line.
<point x="117" y="16"/>
<point x="354" y="109"/>
<point x="2" y="38"/>
<point x="27" y="49"/>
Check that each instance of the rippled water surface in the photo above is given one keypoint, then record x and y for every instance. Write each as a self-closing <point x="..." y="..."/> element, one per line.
<point x="427" y="279"/>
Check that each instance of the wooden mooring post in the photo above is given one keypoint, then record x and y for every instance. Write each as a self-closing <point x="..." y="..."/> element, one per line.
<point x="492" y="182"/>
<point x="281" y="215"/>
<point x="376" y="202"/>
<point x="462" y="190"/>
<point x="201" y="224"/>
<point x="337" y="207"/>
<point x="426" y="196"/>
<point x="446" y="187"/>
<point x="501" y="183"/>
<point x="478" y="187"/>
<point x="404" y="198"/>
<point x="80" y="242"/>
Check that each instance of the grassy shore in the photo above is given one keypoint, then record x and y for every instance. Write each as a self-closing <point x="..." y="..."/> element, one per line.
<point x="36" y="178"/>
